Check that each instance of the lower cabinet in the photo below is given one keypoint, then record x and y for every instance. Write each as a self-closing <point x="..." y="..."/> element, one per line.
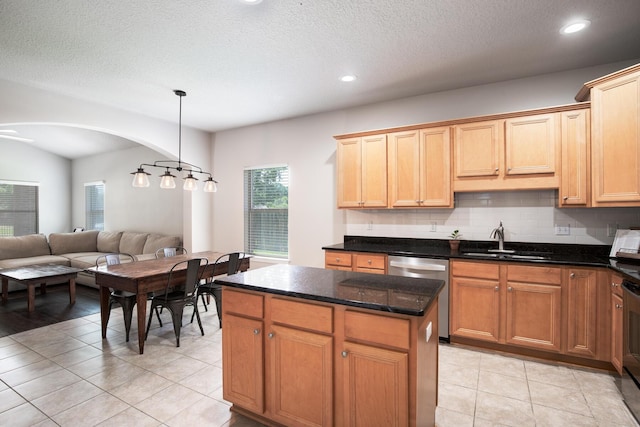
<point x="617" y="318"/>
<point x="559" y="310"/>
<point x="355" y="261"/>
<point x="375" y="385"/>
<point x="296" y="363"/>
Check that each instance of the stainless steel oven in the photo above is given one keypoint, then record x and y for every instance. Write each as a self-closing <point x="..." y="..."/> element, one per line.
<point x="630" y="381"/>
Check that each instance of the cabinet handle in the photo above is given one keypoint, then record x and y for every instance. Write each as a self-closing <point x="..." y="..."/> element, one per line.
<point x="618" y="306"/>
<point x="344" y="353"/>
<point x="271" y="335"/>
<point x="369" y="261"/>
<point x="337" y="259"/>
<point x="572" y="275"/>
<point x="509" y="288"/>
<point x="497" y="288"/>
<point x="565" y="198"/>
<point x="497" y="169"/>
<point x="256" y="331"/>
<point x="614" y="285"/>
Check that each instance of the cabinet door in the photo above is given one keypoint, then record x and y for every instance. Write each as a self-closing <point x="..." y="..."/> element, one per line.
<point x="374" y="171"/>
<point x="533" y="315"/>
<point x="616" y="332"/>
<point x="349" y="158"/>
<point x="530" y="144"/>
<point x="404" y="169"/>
<point x="435" y="167"/>
<point x="615" y="115"/>
<point x="301" y="394"/>
<point x="477" y="149"/>
<point x="375" y="386"/>
<point x="475" y="308"/>
<point x="582" y="301"/>
<point x="242" y="366"/>
<point x="575" y="170"/>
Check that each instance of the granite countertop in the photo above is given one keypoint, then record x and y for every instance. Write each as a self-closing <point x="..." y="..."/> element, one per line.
<point x="548" y="253"/>
<point x="392" y="294"/>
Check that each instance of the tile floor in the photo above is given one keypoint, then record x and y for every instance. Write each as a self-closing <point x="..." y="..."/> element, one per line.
<point x="65" y="374"/>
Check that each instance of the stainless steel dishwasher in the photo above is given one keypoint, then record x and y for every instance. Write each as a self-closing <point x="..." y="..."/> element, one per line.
<point x="427" y="268"/>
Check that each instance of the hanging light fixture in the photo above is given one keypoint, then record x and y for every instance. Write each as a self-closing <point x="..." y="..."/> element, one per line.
<point x="167" y="181"/>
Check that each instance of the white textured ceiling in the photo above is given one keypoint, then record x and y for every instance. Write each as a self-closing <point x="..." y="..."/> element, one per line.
<point x="242" y="64"/>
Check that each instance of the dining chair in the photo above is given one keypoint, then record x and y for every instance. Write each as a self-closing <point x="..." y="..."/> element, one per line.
<point x="170" y="251"/>
<point x="234" y="261"/>
<point x="176" y="300"/>
<point x="127" y="300"/>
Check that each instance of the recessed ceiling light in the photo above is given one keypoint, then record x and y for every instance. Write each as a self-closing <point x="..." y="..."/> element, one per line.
<point x="251" y="1"/>
<point x="575" y="26"/>
<point x="348" y="78"/>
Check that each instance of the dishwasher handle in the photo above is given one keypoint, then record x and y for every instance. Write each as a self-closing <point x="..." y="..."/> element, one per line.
<point x="424" y="267"/>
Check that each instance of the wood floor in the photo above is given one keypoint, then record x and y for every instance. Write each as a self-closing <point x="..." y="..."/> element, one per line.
<point x="52" y="307"/>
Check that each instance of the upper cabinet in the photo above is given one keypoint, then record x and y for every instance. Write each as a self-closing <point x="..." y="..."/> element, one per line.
<point x="615" y="133"/>
<point x="362" y="172"/>
<point x="575" y="176"/>
<point x="516" y="153"/>
<point x="420" y="168"/>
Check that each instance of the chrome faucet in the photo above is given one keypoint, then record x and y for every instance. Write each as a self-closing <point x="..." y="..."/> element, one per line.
<point x="498" y="233"/>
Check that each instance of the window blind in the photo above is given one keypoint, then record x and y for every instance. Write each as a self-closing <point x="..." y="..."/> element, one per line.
<point x="18" y="208"/>
<point x="266" y="211"/>
<point x="94" y="205"/>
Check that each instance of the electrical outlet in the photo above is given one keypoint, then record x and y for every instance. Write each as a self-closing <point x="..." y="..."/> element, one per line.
<point x="611" y="230"/>
<point x="370" y="225"/>
<point x="563" y="230"/>
<point x="434" y="226"/>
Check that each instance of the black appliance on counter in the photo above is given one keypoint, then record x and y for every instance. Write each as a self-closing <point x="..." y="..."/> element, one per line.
<point x="629" y="384"/>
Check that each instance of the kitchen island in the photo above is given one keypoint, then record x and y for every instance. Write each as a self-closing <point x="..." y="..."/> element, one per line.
<point x="305" y="346"/>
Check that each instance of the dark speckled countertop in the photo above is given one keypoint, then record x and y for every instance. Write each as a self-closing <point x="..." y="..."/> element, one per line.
<point x="550" y="253"/>
<point x="393" y="294"/>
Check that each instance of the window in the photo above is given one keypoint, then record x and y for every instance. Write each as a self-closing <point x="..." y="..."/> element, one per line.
<point x="266" y="211"/>
<point x="18" y="208"/>
<point x="94" y="205"/>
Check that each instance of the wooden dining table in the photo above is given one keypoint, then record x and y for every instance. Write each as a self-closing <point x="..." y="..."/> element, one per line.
<point x="142" y="277"/>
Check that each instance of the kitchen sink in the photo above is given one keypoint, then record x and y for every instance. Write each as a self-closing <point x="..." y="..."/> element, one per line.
<point x="505" y="255"/>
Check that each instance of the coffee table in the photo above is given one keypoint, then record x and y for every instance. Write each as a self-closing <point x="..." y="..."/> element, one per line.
<point x="39" y="275"/>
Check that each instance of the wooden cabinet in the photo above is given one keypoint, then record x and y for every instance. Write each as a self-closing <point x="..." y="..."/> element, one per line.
<point x="575" y="172"/>
<point x="615" y="133"/>
<point x="356" y="261"/>
<point x="582" y="312"/>
<point x="362" y="172"/>
<point x="475" y="300"/>
<point x="299" y="394"/>
<point x="243" y="350"/>
<point x="533" y="307"/>
<point x="376" y="386"/>
<point x="520" y="152"/>
<point x="420" y="168"/>
<point x="318" y="364"/>
<point x="338" y="260"/>
<point x="617" y="318"/>
<point x="506" y="303"/>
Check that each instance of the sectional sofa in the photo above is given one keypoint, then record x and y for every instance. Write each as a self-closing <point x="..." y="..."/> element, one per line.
<point x="79" y="250"/>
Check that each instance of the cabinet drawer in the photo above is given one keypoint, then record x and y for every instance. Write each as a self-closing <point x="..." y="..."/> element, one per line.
<point x="302" y="315"/>
<point x="481" y="270"/>
<point x="366" y="261"/>
<point x="616" y="285"/>
<point x="530" y="274"/>
<point x="337" y="258"/>
<point x="371" y="328"/>
<point x="242" y="303"/>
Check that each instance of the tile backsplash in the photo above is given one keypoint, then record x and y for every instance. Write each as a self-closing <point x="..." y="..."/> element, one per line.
<point x="527" y="216"/>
